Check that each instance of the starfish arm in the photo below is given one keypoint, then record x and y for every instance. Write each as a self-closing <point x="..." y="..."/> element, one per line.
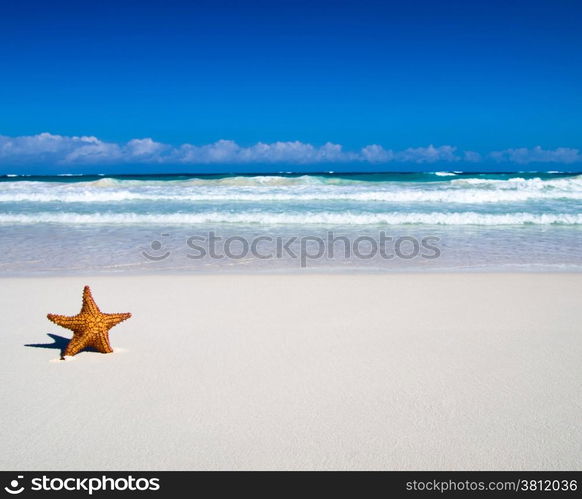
<point x="114" y="319"/>
<point x="74" y="323"/>
<point x="76" y="344"/>
<point x="89" y="305"/>
<point x="100" y="342"/>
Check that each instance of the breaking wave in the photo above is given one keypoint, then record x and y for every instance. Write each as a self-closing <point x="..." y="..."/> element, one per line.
<point x="272" y="218"/>
<point x="274" y="189"/>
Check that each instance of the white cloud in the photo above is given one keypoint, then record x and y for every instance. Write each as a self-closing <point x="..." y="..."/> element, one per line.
<point x="43" y="147"/>
<point x="472" y="156"/>
<point x="144" y="148"/>
<point x="72" y="150"/>
<point x="428" y="154"/>
<point x="97" y="152"/>
<point x="377" y="154"/>
<point x="524" y="155"/>
<point x="227" y="151"/>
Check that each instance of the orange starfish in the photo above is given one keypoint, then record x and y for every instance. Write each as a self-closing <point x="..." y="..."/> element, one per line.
<point x="90" y="327"/>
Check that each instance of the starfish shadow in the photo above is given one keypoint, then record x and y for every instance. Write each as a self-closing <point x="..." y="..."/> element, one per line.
<point x="60" y="343"/>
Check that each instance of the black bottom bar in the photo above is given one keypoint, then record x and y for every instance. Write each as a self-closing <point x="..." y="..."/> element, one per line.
<point x="300" y="484"/>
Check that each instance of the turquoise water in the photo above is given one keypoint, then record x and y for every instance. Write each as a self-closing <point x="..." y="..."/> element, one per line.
<point x="529" y="221"/>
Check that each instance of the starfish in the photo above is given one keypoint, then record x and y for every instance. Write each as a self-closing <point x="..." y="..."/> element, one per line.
<point x="90" y="326"/>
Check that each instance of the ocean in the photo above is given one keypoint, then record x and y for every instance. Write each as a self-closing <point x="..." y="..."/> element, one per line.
<point x="163" y="223"/>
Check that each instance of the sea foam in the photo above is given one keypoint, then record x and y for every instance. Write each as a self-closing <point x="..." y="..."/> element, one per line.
<point x="317" y="218"/>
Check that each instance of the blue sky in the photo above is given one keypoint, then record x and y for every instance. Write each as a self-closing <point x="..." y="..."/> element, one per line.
<point x="486" y="84"/>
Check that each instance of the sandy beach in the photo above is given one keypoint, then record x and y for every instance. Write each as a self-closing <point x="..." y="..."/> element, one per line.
<point x="318" y="372"/>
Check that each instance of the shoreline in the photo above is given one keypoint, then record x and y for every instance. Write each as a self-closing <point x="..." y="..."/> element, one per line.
<point x="299" y="273"/>
<point x="284" y="272"/>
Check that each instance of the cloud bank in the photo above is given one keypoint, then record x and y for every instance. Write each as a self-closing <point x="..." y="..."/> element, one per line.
<point x="47" y="148"/>
<point x="536" y="154"/>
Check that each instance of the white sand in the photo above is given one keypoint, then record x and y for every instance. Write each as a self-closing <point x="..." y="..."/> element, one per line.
<point x="459" y="371"/>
